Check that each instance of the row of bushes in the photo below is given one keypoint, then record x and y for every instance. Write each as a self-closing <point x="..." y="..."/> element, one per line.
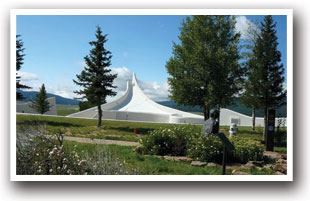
<point x="189" y="141"/>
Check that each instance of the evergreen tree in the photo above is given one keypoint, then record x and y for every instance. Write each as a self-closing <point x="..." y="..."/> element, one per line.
<point x="40" y="103"/>
<point x="269" y="77"/>
<point x="96" y="78"/>
<point x="83" y="105"/>
<point x="204" y="68"/>
<point x="19" y="63"/>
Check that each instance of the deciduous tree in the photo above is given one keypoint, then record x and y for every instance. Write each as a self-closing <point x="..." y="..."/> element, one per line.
<point x="204" y="67"/>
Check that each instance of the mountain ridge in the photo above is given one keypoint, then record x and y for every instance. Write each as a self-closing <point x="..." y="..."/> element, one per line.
<point x="31" y="95"/>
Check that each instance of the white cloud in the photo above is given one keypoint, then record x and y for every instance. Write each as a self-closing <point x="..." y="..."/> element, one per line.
<point x="25" y="76"/>
<point x="155" y="90"/>
<point x="243" y="25"/>
<point x="64" y="89"/>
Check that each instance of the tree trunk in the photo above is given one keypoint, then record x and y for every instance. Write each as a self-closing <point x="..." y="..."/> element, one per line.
<point x="218" y="108"/>
<point x="99" y="114"/>
<point x="206" y="112"/>
<point x="265" y="125"/>
<point x="253" y="119"/>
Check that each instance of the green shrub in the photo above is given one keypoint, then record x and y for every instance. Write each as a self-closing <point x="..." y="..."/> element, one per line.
<point x="173" y="141"/>
<point x="246" y="149"/>
<point x="189" y="141"/>
<point x="205" y="148"/>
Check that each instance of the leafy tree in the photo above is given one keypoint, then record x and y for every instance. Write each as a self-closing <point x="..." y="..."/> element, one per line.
<point x="96" y="78"/>
<point x="83" y="105"/>
<point x="204" y="67"/>
<point x="250" y="98"/>
<point x="40" y="103"/>
<point x="269" y="71"/>
<point x="19" y="63"/>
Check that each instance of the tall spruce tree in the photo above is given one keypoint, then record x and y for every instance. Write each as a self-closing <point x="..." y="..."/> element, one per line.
<point x="204" y="67"/>
<point x="19" y="63"/>
<point x="40" y="103"/>
<point x="96" y="78"/>
<point x="269" y="74"/>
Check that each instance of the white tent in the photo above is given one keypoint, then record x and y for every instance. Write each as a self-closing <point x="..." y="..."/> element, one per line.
<point x="134" y="105"/>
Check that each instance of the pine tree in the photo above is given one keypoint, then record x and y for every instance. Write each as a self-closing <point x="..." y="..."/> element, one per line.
<point x="269" y="71"/>
<point x="40" y="103"/>
<point x="96" y="78"/>
<point x="83" y="105"/>
<point x="19" y="63"/>
<point x="204" y="68"/>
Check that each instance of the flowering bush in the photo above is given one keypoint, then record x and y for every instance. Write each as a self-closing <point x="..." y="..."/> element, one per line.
<point x="174" y="141"/>
<point x="189" y="141"/>
<point x="246" y="149"/>
<point x="37" y="153"/>
<point x="205" y="148"/>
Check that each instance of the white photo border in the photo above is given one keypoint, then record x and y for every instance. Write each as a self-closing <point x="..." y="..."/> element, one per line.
<point x="287" y="177"/>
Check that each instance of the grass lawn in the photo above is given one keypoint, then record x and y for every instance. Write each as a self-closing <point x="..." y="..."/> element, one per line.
<point x="122" y="130"/>
<point x="64" y="110"/>
<point x="118" y="130"/>
<point x="149" y="165"/>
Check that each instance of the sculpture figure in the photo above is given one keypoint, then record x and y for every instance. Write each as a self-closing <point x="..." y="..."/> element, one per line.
<point x="211" y="125"/>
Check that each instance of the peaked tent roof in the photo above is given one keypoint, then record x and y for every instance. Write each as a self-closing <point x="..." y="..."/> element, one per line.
<point x="135" y="101"/>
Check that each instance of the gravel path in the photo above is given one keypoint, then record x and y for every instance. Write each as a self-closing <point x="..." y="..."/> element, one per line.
<point x="100" y="141"/>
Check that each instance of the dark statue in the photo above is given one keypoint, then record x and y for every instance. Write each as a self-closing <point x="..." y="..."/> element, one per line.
<point x="211" y="125"/>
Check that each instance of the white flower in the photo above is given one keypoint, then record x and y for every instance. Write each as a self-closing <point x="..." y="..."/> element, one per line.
<point x="51" y="170"/>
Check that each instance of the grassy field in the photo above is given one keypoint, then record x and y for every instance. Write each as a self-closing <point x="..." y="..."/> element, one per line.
<point x="64" y="110"/>
<point x="150" y="165"/>
<point x="119" y="130"/>
<point x="122" y="130"/>
<point x="116" y="130"/>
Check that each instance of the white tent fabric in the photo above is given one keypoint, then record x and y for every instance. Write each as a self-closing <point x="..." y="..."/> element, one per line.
<point x="134" y="105"/>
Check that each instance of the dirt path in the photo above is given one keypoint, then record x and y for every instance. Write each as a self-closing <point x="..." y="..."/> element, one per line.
<point x="100" y="141"/>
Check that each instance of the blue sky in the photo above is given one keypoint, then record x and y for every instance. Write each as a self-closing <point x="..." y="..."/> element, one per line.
<point x="56" y="45"/>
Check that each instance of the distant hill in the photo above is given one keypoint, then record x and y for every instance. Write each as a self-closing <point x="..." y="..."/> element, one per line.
<point x="31" y="95"/>
<point x="236" y="106"/>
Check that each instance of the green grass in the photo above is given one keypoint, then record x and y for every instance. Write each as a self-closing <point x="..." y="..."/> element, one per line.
<point x="281" y="150"/>
<point x="64" y="110"/>
<point x="116" y="130"/>
<point x="147" y="165"/>
<point x="119" y="130"/>
<point x="150" y="165"/>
